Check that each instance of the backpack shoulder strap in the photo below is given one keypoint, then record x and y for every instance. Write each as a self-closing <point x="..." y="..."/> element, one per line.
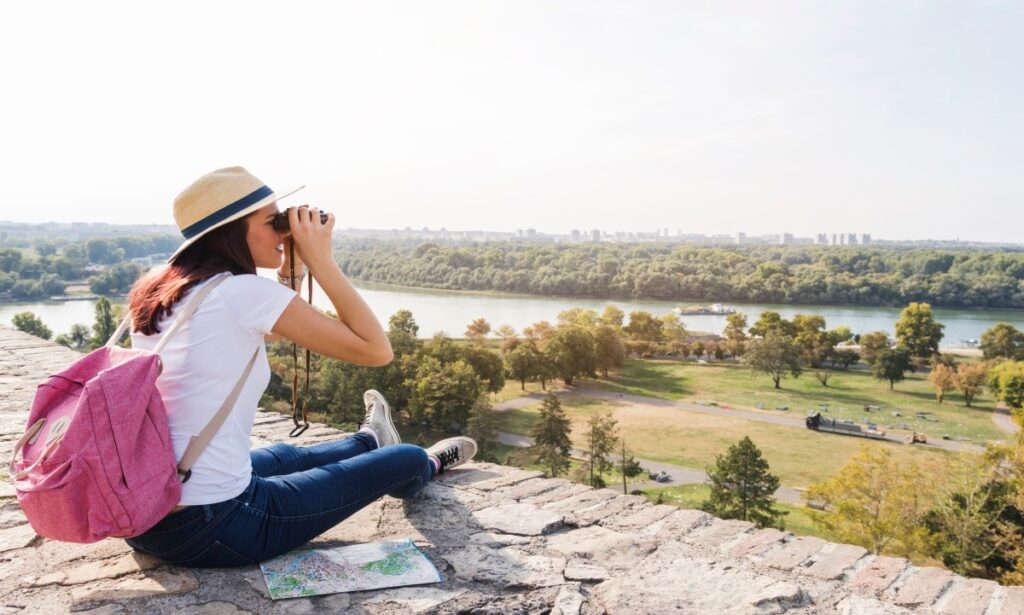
<point x="197" y="444"/>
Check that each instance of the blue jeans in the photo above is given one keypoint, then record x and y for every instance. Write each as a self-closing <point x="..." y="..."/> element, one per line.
<point x="296" y="494"/>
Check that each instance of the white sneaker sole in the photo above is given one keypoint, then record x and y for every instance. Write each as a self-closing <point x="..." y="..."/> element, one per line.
<point x="385" y="409"/>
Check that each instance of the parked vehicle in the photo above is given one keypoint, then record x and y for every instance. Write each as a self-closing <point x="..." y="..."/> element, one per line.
<point x="847" y="428"/>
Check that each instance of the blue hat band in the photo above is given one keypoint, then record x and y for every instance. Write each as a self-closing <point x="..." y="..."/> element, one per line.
<point x="225" y="212"/>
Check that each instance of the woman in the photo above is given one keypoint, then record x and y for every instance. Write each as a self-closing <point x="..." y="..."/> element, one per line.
<point x="240" y="507"/>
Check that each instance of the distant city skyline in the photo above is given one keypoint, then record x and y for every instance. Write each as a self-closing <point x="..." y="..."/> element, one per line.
<point x="902" y="120"/>
<point x="77" y="230"/>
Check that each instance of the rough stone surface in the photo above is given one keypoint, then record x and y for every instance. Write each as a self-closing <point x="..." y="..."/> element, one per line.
<point x="17" y="537"/>
<point x="879" y="573"/>
<point x="794" y="552"/>
<point x="581" y="570"/>
<point x="506" y="540"/>
<point x="833" y="561"/>
<point x="1013" y="601"/>
<point x="521" y="519"/>
<point x="923" y="586"/>
<point x="969" y="597"/>
<point x="759" y="542"/>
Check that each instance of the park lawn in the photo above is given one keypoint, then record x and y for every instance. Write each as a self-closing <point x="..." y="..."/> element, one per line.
<point x="797" y="456"/>
<point x="692" y="496"/>
<point x="847" y="393"/>
<point x="513" y="389"/>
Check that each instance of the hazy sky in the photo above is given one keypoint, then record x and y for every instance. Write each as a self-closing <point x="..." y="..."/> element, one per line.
<point x="901" y="119"/>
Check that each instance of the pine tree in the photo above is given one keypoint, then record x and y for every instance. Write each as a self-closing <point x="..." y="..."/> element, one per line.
<point x="105" y="324"/>
<point x="551" y="437"/>
<point x="601" y="438"/>
<point x="742" y="487"/>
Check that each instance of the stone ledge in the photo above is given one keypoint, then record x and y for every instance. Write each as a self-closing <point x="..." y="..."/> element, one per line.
<point x="507" y="540"/>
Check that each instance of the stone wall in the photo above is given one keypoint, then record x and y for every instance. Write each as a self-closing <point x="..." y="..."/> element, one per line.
<point x="507" y="541"/>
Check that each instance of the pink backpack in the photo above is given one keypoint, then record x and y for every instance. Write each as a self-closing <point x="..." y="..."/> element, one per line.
<point x="97" y="459"/>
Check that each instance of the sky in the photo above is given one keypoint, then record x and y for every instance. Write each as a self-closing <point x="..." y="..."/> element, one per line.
<point x="900" y="119"/>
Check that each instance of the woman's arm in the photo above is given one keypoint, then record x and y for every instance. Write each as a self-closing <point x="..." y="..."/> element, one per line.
<point x="356" y="336"/>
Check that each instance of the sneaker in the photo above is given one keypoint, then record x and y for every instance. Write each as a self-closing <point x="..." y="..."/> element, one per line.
<point x="378" y="419"/>
<point x="453" y="452"/>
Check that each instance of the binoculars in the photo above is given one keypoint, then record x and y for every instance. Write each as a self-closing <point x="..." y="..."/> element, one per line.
<point x="280" y="221"/>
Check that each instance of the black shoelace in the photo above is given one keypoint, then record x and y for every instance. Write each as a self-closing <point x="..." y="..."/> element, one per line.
<point x="447" y="457"/>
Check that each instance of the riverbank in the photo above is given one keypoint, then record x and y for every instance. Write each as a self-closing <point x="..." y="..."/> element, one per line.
<point x="451" y="311"/>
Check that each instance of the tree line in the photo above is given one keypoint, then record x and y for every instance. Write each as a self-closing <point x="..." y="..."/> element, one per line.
<point x="772" y="274"/>
<point x="46" y="269"/>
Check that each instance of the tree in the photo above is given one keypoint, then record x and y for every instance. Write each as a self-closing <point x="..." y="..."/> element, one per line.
<point x="578" y="317"/>
<point x="104" y="325"/>
<point x="1003" y="341"/>
<point x="116" y="279"/>
<point x="612" y="316"/>
<point x="403" y="321"/>
<point x="772" y="321"/>
<point x="482" y="427"/>
<point x="970" y="379"/>
<point x="742" y="486"/>
<point x="540" y="330"/>
<point x="814" y="342"/>
<point x="571" y="350"/>
<point x="629" y="466"/>
<point x="942" y="379"/>
<point x="506" y="332"/>
<point x="876" y="502"/>
<point x="673" y="330"/>
<point x="845" y="358"/>
<point x="892" y="365"/>
<point x="1007" y="382"/>
<point x="643" y="327"/>
<point x="776" y="355"/>
<point x="77" y="338"/>
<point x="609" y="351"/>
<point x="917" y="331"/>
<point x="10" y="259"/>
<point x="523" y="362"/>
<point x="873" y="343"/>
<point x="31" y="324"/>
<point x="734" y="333"/>
<point x="551" y="437"/>
<point x="823" y="377"/>
<point x="487" y="364"/>
<point x="443" y="394"/>
<point x="974" y="522"/>
<point x="477" y="330"/>
<point x="601" y="438"/>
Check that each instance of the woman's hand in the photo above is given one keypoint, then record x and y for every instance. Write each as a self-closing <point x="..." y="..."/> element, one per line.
<point x="312" y="239"/>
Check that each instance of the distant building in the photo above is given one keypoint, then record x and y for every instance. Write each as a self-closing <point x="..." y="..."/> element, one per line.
<point x="785" y="239"/>
<point x="851" y="239"/>
<point x="865" y="239"/>
<point x="595" y="235"/>
<point x="741" y="238"/>
<point x="821" y="239"/>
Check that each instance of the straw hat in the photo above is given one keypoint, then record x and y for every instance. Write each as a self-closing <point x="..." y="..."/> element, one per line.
<point x="217" y="198"/>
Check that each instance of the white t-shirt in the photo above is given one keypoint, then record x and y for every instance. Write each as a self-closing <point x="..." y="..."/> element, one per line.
<point x="202" y="362"/>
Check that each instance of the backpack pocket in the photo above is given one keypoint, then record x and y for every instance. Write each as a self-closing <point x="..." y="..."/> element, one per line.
<point x="62" y="501"/>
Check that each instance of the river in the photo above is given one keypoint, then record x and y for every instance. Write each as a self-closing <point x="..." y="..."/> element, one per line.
<point x="451" y="311"/>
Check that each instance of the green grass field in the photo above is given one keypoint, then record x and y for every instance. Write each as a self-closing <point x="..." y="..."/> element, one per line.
<point x="671" y="435"/>
<point x="847" y="394"/>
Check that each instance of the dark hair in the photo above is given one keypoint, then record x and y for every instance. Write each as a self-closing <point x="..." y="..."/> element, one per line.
<point x="223" y="249"/>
